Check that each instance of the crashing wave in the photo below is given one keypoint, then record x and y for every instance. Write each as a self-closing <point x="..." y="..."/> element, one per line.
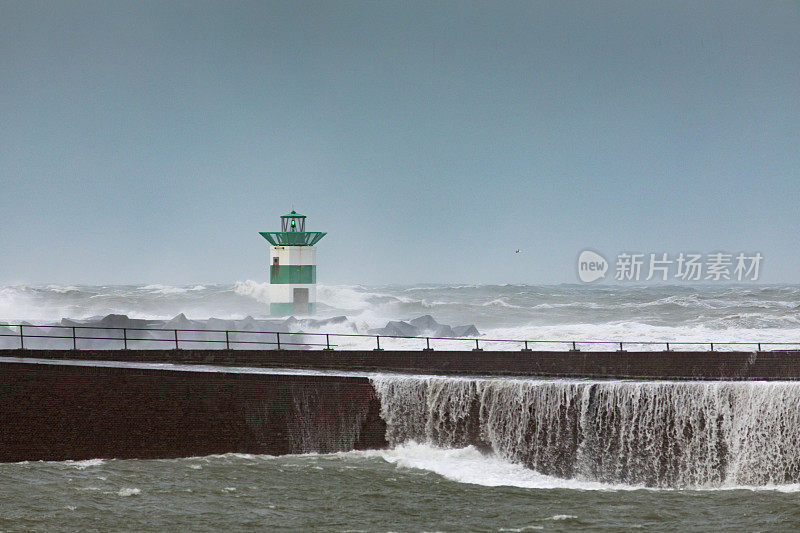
<point x="656" y="434"/>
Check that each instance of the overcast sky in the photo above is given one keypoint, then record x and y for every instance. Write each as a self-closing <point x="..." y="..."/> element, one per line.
<point x="151" y="141"/>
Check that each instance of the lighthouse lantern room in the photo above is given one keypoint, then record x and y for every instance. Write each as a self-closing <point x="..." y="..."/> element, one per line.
<point x="292" y="267"/>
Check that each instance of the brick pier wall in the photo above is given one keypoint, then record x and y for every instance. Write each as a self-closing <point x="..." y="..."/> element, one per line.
<point x="58" y="412"/>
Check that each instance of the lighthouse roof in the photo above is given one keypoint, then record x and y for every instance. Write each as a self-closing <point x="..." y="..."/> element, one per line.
<point x="292" y="234"/>
<point x="293" y="238"/>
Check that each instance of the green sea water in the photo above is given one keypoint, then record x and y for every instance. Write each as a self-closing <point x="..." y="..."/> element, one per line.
<point x="414" y="488"/>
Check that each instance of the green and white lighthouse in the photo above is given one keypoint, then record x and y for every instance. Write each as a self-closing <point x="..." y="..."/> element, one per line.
<point x="292" y="267"/>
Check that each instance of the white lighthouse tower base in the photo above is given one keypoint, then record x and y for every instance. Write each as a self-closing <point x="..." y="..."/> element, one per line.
<point x="293" y="280"/>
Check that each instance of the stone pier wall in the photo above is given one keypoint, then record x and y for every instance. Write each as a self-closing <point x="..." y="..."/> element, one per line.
<point x="59" y="412"/>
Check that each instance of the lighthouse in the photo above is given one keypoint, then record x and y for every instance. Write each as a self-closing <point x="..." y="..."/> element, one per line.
<point x="292" y="267"/>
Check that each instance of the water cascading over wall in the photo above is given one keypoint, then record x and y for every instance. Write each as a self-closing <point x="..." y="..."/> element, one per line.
<point x="658" y="434"/>
<point x="326" y="418"/>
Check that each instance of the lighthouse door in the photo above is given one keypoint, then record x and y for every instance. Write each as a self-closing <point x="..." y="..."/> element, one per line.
<point x="275" y="270"/>
<point x="301" y="301"/>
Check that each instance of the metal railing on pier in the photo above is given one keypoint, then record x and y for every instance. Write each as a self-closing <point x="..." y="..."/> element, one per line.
<point x="126" y="338"/>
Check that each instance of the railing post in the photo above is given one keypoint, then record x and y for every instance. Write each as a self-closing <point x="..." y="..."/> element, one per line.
<point x="378" y="343"/>
<point x="427" y="345"/>
<point x="21" y="338"/>
<point x="712" y="346"/>
<point x="124" y="338"/>
<point x="327" y="342"/>
<point x="278" y="338"/>
<point x="176" y="339"/>
<point x="667" y="346"/>
<point x="620" y="347"/>
<point x="759" y="346"/>
<point x="574" y="347"/>
<point x="526" y="349"/>
<point x="74" y="341"/>
<point x="477" y="347"/>
<point x="227" y="341"/>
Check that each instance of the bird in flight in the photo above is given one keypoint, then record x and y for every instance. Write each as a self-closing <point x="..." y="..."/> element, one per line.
<point x="518" y="251"/>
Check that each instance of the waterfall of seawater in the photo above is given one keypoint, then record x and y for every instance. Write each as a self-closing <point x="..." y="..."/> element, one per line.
<point x="658" y="434"/>
<point x="322" y="425"/>
<point x="317" y="417"/>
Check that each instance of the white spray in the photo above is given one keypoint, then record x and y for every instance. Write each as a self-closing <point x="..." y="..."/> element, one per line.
<point x="658" y="434"/>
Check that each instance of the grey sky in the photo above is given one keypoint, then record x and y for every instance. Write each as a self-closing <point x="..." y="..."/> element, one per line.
<point x="151" y="141"/>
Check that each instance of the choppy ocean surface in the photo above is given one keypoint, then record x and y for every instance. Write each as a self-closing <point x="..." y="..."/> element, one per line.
<point x="727" y="455"/>
<point x="714" y="313"/>
<point x="411" y="488"/>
